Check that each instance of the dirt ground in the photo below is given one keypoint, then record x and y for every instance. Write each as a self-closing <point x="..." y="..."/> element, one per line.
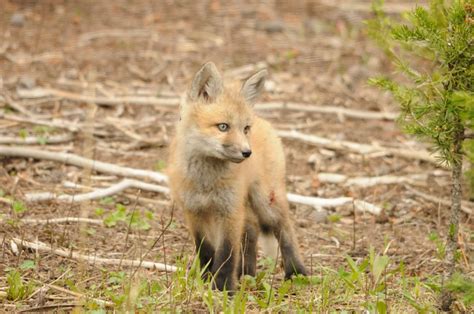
<point x="317" y="53"/>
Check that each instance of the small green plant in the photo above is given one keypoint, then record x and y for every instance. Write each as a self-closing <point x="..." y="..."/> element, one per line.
<point x="463" y="286"/>
<point x="138" y="220"/>
<point x="440" y="246"/>
<point x="28" y="264"/>
<point x="23" y="133"/>
<point x="19" y="207"/>
<point x="159" y="165"/>
<point x="17" y="289"/>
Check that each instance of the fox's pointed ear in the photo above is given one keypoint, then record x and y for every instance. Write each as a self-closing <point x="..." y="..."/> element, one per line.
<point x="207" y="83"/>
<point x="253" y="86"/>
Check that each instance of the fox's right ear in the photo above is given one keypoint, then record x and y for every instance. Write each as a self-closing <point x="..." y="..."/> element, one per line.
<point x="207" y="83"/>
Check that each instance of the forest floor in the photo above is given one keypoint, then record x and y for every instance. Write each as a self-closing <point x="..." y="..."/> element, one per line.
<point x="102" y="80"/>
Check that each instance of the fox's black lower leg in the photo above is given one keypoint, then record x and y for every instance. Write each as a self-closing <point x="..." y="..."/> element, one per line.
<point x="224" y="265"/>
<point x="291" y="260"/>
<point x="205" y="252"/>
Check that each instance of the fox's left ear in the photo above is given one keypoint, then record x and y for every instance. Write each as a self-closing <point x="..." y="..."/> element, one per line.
<point x="207" y="83"/>
<point x="253" y="86"/>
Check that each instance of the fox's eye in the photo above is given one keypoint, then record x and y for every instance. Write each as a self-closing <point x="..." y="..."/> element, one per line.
<point x="247" y="129"/>
<point x="223" y="127"/>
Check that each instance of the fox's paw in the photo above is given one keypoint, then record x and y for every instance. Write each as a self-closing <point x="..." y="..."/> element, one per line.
<point x="224" y="282"/>
<point x="295" y="271"/>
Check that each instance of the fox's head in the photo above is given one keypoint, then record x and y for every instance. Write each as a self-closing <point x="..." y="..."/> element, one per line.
<point x="216" y="120"/>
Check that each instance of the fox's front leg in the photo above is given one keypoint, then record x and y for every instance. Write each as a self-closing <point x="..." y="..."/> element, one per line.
<point x="204" y="248"/>
<point x="227" y="254"/>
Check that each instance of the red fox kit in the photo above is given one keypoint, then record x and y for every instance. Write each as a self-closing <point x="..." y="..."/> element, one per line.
<point x="227" y="172"/>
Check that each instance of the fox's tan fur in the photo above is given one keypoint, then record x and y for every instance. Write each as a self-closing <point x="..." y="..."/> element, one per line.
<point x="229" y="199"/>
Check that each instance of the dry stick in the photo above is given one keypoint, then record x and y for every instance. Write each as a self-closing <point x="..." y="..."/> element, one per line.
<point x="466" y="206"/>
<point x="61" y="220"/>
<point x="97" y="194"/>
<point x="340" y="111"/>
<point x="415" y="179"/>
<point x="33" y="140"/>
<point x="52" y="307"/>
<point x="363" y="7"/>
<point x="81" y="162"/>
<point x="117" y="33"/>
<point x="79" y="295"/>
<point x="16" y="106"/>
<point x="334" y="202"/>
<point x="42" y="247"/>
<point x="109" y="101"/>
<point x="363" y="149"/>
<point x="55" y="124"/>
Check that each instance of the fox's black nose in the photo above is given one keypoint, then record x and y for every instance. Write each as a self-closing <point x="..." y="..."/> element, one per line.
<point x="246" y="153"/>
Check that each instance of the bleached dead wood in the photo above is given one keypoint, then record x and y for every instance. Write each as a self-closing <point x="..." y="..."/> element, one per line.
<point x="97" y="194"/>
<point x="352" y="6"/>
<point x="139" y="173"/>
<point x="363" y="149"/>
<point x="15" y="151"/>
<point x="24" y="59"/>
<point x="78" y="295"/>
<point x="317" y="201"/>
<point x="466" y="207"/>
<point x="32" y="140"/>
<point x="93" y="260"/>
<point x="109" y="101"/>
<point x="6" y="200"/>
<point x="54" y="123"/>
<point x="85" y="38"/>
<point x="61" y="220"/>
<point x="334" y="202"/>
<point x="415" y="179"/>
<point x="340" y="111"/>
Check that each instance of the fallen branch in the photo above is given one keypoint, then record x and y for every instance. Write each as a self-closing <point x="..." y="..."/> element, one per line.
<point x="334" y="202"/>
<point x="363" y="7"/>
<point x="340" y="111"/>
<point x="97" y="194"/>
<point x="32" y="140"/>
<point x="363" y="149"/>
<point x="54" y="124"/>
<point x="93" y="260"/>
<point x="466" y="206"/>
<point x="114" y="33"/>
<point x="15" y="151"/>
<point x="78" y="295"/>
<point x="31" y="221"/>
<point x="415" y="179"/>
<point x="25" y="59"/>
<point x="109" y="101"/>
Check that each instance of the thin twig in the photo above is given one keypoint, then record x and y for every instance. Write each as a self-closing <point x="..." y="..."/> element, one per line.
<point x="42" y="247"/>
<point x="35" y="140"/>
<point x="79" y="161"/>
<point x="97" y="194"/>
